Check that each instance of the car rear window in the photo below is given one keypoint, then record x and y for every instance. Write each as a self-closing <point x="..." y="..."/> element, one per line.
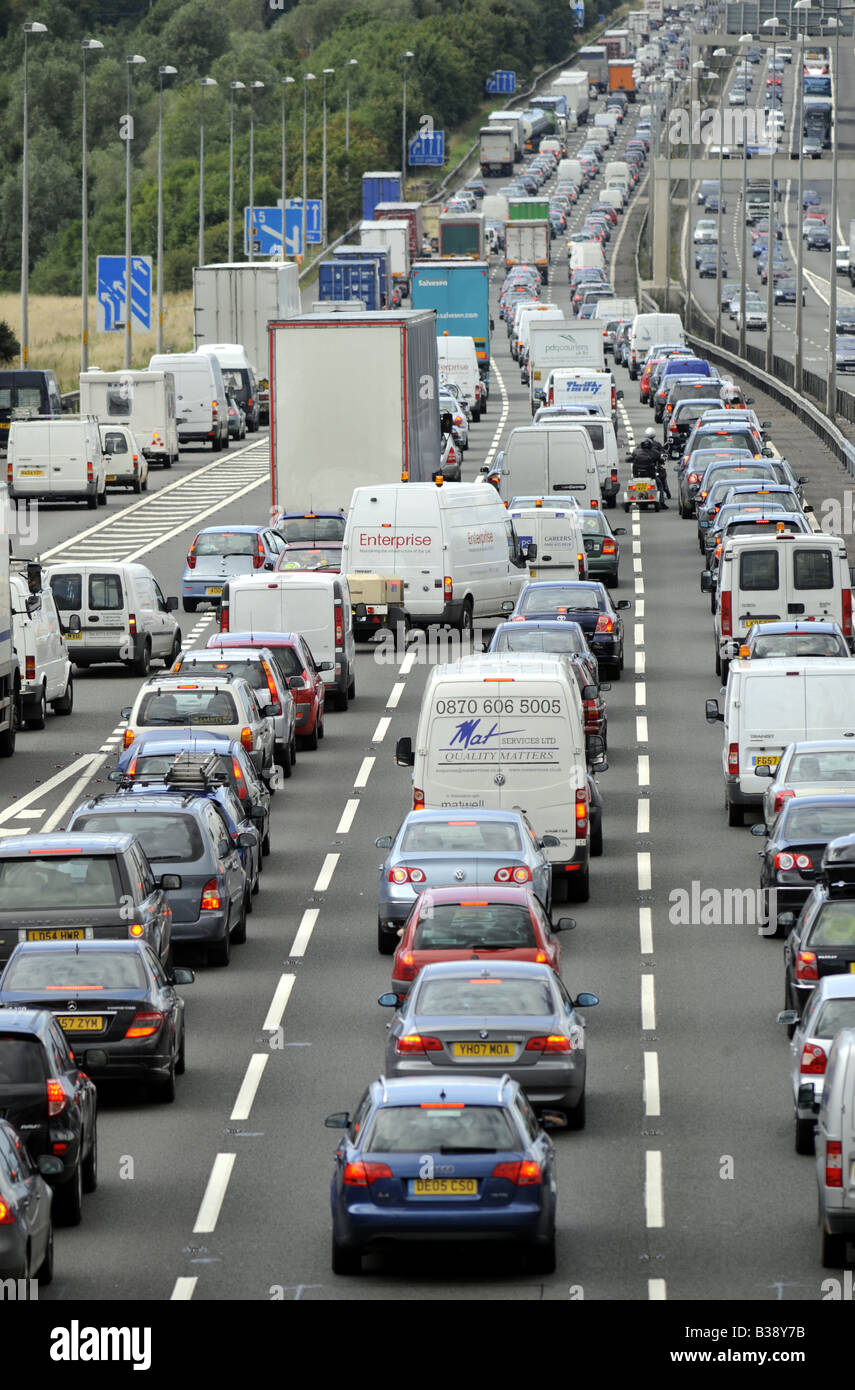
<point x="597" y="435"/>
<point x="553" y="598"/>
<point x="460" y="836"/>
<point x="22" y="1060"/>
<point x="522" y="638"/>
<point x="836" y="1014"/>
<point x="830" y="766"/>
<point x="187" y="707"/>
<point x="39" y="882"/>
<point x="226" y="543"/>
<point x="758" y="570"/>
<point x="499" y="926"/>
<point x="732" y="439"/>
<point x="105" y="592"/>
<point x="411" y="1129"/>
<point x="75" y="969"/>
<point x="799" y="644"/>
<point x="483" y="995"/>
<point x="166" y="836"/>
<point x="835" y="925"/>
<point x="816" y="822"/>
<point x="251" y="671"/>
<point x="813" y="569"/>
<point x="312" y="528"/>
<point x="304" y="558"/>
<point x="67" y="590"/>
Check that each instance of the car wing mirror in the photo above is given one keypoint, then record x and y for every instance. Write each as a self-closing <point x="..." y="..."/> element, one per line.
<point x="170" y="883"/>
<point x="73" y="624"/>
<point x="585" y="1000"/>
<point x="623" y="603"/>
<point x="126" y="712"/>
<point x="764" y="771"/>
<point x="385" y="841"/>
<point x="360" y="612"/>
<point x="388" y="1001"/>
<point x="341" y="1120"/>
<point x="759" y="830"/>
<point x="404" y="755"/>
<point x="713" y="713"/>
<point x="246" y="839"/>
<point x="789" y="1017"/>
<point x="182" y="975"/>
<point x="564" y="924"/>
<point x="618" y="530"/>
<point x="96" y="1058"/>
<point x="296" y="683"/>
<point x="706" y="582"/>
<point x="49" y="1165"/>
<point x="325" y="666"/>
<point x="549" y="842"/>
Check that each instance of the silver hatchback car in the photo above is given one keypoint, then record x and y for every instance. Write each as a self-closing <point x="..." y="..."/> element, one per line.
<point x="830" y="1008"/>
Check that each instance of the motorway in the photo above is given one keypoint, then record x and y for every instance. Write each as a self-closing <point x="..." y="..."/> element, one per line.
<point x="685" y="1183"/>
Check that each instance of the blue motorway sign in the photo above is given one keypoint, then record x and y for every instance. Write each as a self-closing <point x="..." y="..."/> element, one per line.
<point x="501" y="83"/>
<point x="579" y="14"/>
<point x="111" y="295"/>
<point x="427" y="149"/>
<point x="267" y="228"/>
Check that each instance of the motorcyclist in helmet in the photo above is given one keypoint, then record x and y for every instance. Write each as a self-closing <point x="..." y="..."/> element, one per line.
<point x="647" y="462"/>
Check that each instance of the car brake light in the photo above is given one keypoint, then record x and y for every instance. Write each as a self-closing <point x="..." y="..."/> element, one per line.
<point x="418" y="799"/>
<point x="247" y="739"/>
<point x="614" y="396"/>
<point x="806" y="967"/>
<point x="846" y="623"/>
<point x="215" y="410"/>
<point x="402" y="874"/>
<point x="733" y="759"/>
<point x="339" y="625"/>
<point x="7" y="1216"/>
<point x="511" y="874"/>
<point x="90" y="472"/>
<point x="813" y="1061"/>
<point x="780" y="798"/>
<point x="132" y="624"/>
<point x="271" y="684"/>
<point x="417" y="1042"/>
<point x="129" y="737"/>
<point x="9" y="474"/>
<point x="237" y="773"/>
<point x="604" y="624"/>
<point x="523" y="1173"/>
<point x="145" y="1023"/>
<point x="833" y="1163"/>
<point x="553" y="1042"/>
<point x="258" y="557"/>
<point x="30" y="668"/>
<point x="581" y="813"/>
<point x="364" y="1174"/>
<point x="551" y="401"/>
<point x="191" y="555"/>
<point x="609" y="547"/>
<point x="56" y="1098"/>
<point x="224" y="617"/>
<point x="211" y="900"/>
<point x="726" y="614"/>
<point x="405" y="969"/>
<point x="447" y="588"/>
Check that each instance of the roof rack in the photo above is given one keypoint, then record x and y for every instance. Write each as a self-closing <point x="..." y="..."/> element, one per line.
<point x="189" y="772"/>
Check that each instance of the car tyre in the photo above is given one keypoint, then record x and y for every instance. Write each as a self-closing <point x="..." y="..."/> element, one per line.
<point x="804" y="1137"/>
<point x="310" y="741"/>
<point x="89" y="1167"/>
<point x="735" y="814"/>
<point x="68" y="1199"/>
<point x="351" y="689"/>
<point x="386" y="940"/>
<point x="189" y="605"/>
<point x="181" y="1059"/>
<point x="342" y="700"/>
<point x="65" y="703"/>
<point x="38" y="718"/>
<point x="164" y="1091"/>
<point x="541" y="1259"/>
<point x="221" y="954"/>
<point x="142" y="665"/>
<point x="579" y="887"/>
<point x="597" y="841"/>
<point x="169" y="661"/>
<point x="321" y="729"/>
<point x="576" y="1113"/>
<point x="345" y="1259"/>
<point x="92" y="503"/>
<point x="238" y="931"/>
<point x="265" y="845"/>
<point x="101" y="499"/>
<point x="832" y="1249"/>
<point x="45" y="1270"/>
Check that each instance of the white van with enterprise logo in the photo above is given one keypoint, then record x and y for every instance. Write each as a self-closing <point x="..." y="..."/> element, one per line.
<point x="499" y="732"/>
<point x="774" y="702"/>
<point x="557" y="534"/>
<point x="770" y="579"/>
<point x="57" y="461"/>
<point x="648" y="329"/>
<point x="202" y="410"/>
<point x="454" y="546"/>
<point x="540" y="460"/>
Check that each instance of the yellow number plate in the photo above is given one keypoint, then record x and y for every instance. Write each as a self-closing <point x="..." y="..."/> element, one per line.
<point x="852" y="962"/>
<point x="81" y="1023"/>
<point x="76" y="636"/>
<point x="483" y="1049"/>
<point x="32" y="473"/>
<point x="754" y="622"/>
<point x="443" y="1187"/>
<point x="214" y="589"/>
<point x="56" y="934"/>
<point x="111" y="477"/>
<point x="767" y="760"/>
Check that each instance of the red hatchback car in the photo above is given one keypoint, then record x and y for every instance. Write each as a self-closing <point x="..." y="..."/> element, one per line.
<point x="299" y="670"/>
<point x="489" y="922"/>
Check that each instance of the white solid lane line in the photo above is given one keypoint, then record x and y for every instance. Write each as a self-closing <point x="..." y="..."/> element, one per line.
<point x="325" y="876"/>
<point x="282" y="993"/>
<point x="350" y="809"/>
<point x="38" y="792"/>
<point x="651" y="1084"/>
<point x="183" y="1288"/>
<point x="654" y="1201"/>
<point x="304" y="935"/>
<point x="648" y="1003"/>
<point x="75" y="794"/>
<point x="209" y="1211"/>
<point x="364" y="772"/>
<point x="382" y="729"/>
<point x="249" y="1086"/>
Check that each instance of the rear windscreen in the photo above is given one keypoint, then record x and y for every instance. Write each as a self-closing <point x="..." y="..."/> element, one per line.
<point x="166" y="836"/>
<point x="569" y="640"/>
<point x="412" y="1129"/>
<point x="836" y="1015"/>
<point x="835" y="925"/>
<point x="226" y="543"/>
<point x="75" y="970"/>
<point x="67" y="590"/>
<point x="461" y="837"/>
<point x="187" y="707"/>
<point x="484" y="995"/>
<point x="105" y="592"/>
<point x="830" y="765"/>
<point x="817" y="822"/>
<point x="464" y="926"/>
<point x="813" y="569"/>
<point x="251" y="671"/>
<point x="758" y="570"/>
<point x="554" y="598"/>
<point x="22" y="1060"/>
<point x="312" y="528"/>
<point x="56" y="881"/>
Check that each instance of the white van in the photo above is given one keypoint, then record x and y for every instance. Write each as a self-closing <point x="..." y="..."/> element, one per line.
<point x="541" y="459"/>
<point x="315" y="605"/>
<point x="501" y="731"/>
<point x="615" y="197"/>
<point x="145" y="401"/>
<point x="57" y="461"/>
<point x="238" y="377"/>
<point x="770" y="579"/>
<point x="615" y="309"/>
<point x="202" y="412"/>
<point x="42" y="655"/>
<point x="771" y="703"/>
<point x="554" y="537"/>
<point x="457" y="360"/>
<point x="586" y="255"/>
<point x="454" y="546"/>
<point x="122" y="614"/>
<point x="603" y="436"/>
<point x="648" y="329"/>
<point x="583" y="386"/>
<point x="127" y="465"/>
<point x="835" y="1152"/>
<point x="617" y="170"/>
<point x="570" y="169"/>
<point x="609" y="121"/>
<point x="537" y="313"/>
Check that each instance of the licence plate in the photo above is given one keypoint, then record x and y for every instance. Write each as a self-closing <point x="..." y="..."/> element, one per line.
<point x="852" y="962"/>
<point x="755" y="622"/>
<point x="214" y="589"/>
<point x="111" y="477"/>
<point x="32" y="473"/>
<point x="767" y="760"/>
<point x="56" y="934"/>
<point x="75" y="636"/>
<point x="81" y="1023"/>
<point x="443" y="1187"/>
<point x="482" y="1049"/>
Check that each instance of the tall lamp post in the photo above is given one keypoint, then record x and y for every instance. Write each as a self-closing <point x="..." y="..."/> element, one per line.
<point x="286" y="83"/>
<point x="328" y="72"/>
<point x="773" y="23"/>
<point x="203" y="83"/>
<point x="164" y="71"/>
<point x="307" y="78"/>
<point x="88" y="46"/>
<point x="407" y="55"/>
<point x="233" y="87"/>
<point x="133" y="60"/>
<point x="800" y="251"/>
<point x="31" y="28"/>
<point x="831" y="392"/>
<point x="254" y="87"/>
<point x="690" y="260"/>
<point x="719" y="53"/>
<point x="744" y="41"/>
<point x="351" y="63"/>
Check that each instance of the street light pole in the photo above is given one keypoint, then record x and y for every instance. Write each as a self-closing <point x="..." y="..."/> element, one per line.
<point x="164" y="71"/>
<point x="307" y="78"/>
<point x="87" y="45"/>
<point x="744" y="40"/>
<point x="719" y="53"/>
<point x="203" y="83"/>
<point x="328" y="72"/>
<point x="254" y="87"/>
<point x="690" y="259"/>
<point x="800" y="253"/>
<point x="405" y="59"/>
<point x="286" y="82"/>
<point x="773" y="23"/>
<point x="33" y="28"/>
<point x="233" y="87"/>
<point x="133" y="60"/>
<point x="831" y="393"/>
<point x="351" y="63"/>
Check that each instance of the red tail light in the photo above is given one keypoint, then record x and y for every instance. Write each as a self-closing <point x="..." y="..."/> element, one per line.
<point x="128" y="738"/>
<point x="211" y="900"/>
<point x="447" y="588"/>
<point x="523" y="1173"/>
<point x="518" y="874"/>
<point x="339" y="625"/>
<point x="258" y="557"/>
<point x="833" y="1163"/>
<point x="405" y="967"/>
<point x="224" y="617"/>
<point x="30" y="668"/>
<point x="90" y="473"/>
<point x="550" y="401"/>
<point x="604" y="624"/>
<point x="215" y="409"/>
<point x="614" y="392"/>
<point x="726" y="614"/>
<point x="846" y="623"/>
<point x="813" y="1061"/>
<point x="418" y="799"/>
<point x="9" y="475"/>
<point x="733" y="759"/>
<point x="271" y="684"/>
<point x="581" y="813"/>
<point x="191" y="555"/>
<point x="240" y="780"/>
<point x="402" y="874"/>
<point x="553" y="1042"/>
<point x="146" y="1023"/>
<point x="247" y="739"/>
<point x="7" y="1216"/>
<point x="417" y="1042"/>
<point x="806" y="967"/>
<point x="609" y="547"/>
<point x="694" y="478"/>
<point x="364" y="1174"/>
<point x="132" y="624"/>
<point x="57" y="1100"/>
<point x="592" y="716"/>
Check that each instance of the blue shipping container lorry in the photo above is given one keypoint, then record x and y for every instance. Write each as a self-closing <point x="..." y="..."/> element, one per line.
<point x="382" y="255"/>
<point x="459" y="291"/>
<point x="379" y="188"/>
<point x="350" y="279"/>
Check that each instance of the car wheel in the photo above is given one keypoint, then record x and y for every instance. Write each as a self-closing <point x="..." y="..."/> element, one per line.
<point x="181" y="1059"/>
<point x="238" y="931"/>
<point x="101" y="499"/>
<point x="292" y="749"/>
<point x="345" y="1259"/>
<point x="351" y="689"/>
<point x="92" y="503"/>
<point x="321" y="729"/>
<point x="597" y="841"/>
<point x="576" y="1113"/>
<point x="189" y="605"/>
<point x="725" y="667"/>
<point x="735" y="814"/>
<point x="541" y="1259"/>
<point x="284" y="761"/>
<point x="65" y="703"/>
<point x="387" y="940"/>
<point x="717" y="662"/>
<point x="45" y="1270"/>
<point x="221" y="954"/>
<point x="804" y="1136"/>
<point x="169" y="661"/>
<point x="579" y="887"/>
<point x="90" y="1166"/>
<point x="164" y="1091"/>
<point x="38" y="718"/>
<point x="310" y="741"/>
<point x="68" y="1199"/>
<point x="832" y="1249"/>
<point x="465" y="624"/>
<point x="142" y="665"/>
<point x="342" y="699"/>
<point x="265" y="845"/>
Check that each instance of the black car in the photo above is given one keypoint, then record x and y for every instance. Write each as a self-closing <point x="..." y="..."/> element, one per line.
<point x="26" y="1228"/>
<point x="579" y="601"/>
<point x="112" y="997"/>
<point x="690" y="401"/>
<point x="822" y="942"/>
<point x="52" y="1104"/>
<point x="844" y="321"/>
<point x="786" y="291"/>
<point x="791" y="861"/>
<point x="818" y="239"/>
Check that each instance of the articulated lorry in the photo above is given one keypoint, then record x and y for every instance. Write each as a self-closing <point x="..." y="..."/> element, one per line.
<point x="459" y="293"/>
<point x="496" y="144"/>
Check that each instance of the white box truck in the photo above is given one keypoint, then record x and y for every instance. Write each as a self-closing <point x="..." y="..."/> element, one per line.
<point x="144" y="401"/>
<point x="566" y="345"/>
<point x="496" y="149"/>
<point x="529" y="243"/>
<point x="233" y="303"/>
<point x="515" y="120"/>
<point x="394" y="233"/>
<point x="354" y="401"/>
<point x="574" y="87"/>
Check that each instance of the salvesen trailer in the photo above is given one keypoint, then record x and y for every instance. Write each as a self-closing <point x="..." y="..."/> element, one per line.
<point x="10" y="679"/>
<point x="379" y="187"/>
<point x="382" y="255"/>
<point x="459" y="292"/>
<point x="319" y="455"/>
<point x="350" y="279"/>
<point x="496" y="149"/>
<point x="462" y="234"/>
<point x="568" y="345"/>
<point x="234" y="302"/>
<point x="529" y="243"/>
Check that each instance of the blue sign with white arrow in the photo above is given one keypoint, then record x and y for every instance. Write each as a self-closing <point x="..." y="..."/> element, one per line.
<point x="502" y="82"/>
<point x="267" y="228"/>
<point x="427" y="148"/>
<point x="111" y="293"/>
